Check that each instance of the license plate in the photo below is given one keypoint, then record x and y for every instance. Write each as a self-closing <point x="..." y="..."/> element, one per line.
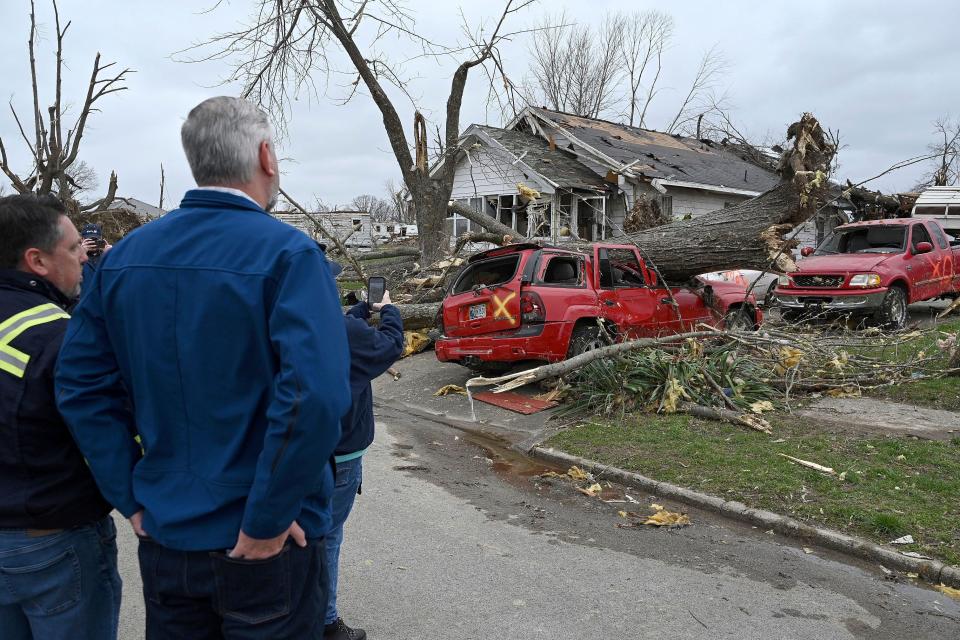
<point x="478" y="311"/>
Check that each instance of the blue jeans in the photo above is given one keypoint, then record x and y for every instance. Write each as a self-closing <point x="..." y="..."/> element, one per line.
<point x="349" y="477"/>
<point x="205" y="595"/>
<point x="60" y="586"/>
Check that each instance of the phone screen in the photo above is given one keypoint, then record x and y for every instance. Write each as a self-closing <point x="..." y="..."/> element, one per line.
<point x="375" y="289"/>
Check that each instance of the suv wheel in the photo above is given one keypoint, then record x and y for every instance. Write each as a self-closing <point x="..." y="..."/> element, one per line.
<point x="585" y="338"/>
<point x="893" y="309"/>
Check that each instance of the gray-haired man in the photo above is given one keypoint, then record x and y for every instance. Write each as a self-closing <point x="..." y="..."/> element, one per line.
<point x="221" y="327"/>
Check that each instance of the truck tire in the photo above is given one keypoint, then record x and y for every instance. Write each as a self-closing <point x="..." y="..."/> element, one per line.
<point x="585" y="337"/>
<point x="893" y="309"/>
<point x="740" y="318"/>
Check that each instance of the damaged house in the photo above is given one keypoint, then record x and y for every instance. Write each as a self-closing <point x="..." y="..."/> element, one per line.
<point x="554" y="175"/>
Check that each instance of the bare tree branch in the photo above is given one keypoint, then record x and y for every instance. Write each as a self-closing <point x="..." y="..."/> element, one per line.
<point x="712" y="65"/>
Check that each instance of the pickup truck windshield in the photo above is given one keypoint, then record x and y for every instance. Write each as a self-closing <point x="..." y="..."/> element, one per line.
<point x="872" y="239"/>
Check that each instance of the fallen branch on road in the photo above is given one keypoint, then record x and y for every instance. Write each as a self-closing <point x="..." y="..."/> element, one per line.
<point x="522" y="378"/>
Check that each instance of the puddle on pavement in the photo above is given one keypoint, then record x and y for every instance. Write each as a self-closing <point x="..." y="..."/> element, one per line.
<point x="509" y="463"/>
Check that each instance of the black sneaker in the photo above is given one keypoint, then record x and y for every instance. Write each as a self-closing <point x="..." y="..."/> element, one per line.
<point x="338" y="630"/>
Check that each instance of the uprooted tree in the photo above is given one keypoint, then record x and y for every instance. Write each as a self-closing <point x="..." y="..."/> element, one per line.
<point x="54" y="147"/>
<point x="291" y="40"/>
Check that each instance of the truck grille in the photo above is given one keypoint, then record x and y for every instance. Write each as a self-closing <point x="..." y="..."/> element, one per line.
<point x="818" y="282"/>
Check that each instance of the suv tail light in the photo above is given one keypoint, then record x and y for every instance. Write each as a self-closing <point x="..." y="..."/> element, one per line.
<point x="531" y="308"/>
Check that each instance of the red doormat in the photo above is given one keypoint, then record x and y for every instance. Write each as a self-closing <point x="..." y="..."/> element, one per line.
<point x="514" y="402"/>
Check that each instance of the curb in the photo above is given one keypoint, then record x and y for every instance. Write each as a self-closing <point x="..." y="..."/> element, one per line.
<point x="932" y="571"/>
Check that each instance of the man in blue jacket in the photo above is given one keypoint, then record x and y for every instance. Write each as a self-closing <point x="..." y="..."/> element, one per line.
<point x="215" y="334"/>
<point x="372" y="351"/>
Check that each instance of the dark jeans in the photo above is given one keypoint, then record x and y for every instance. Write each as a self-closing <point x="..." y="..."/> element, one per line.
<point x="200" y="595"/>
<point x="349" y="477"/>
<point x="60" y="586"/>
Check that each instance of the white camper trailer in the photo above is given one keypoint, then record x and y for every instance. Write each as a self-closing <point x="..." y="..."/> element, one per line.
<point x="941" y="204"/>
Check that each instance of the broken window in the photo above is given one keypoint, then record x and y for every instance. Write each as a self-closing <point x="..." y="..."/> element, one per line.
<point x="505" y="210"/>
<point x="487" y="273"/>
<point x="590" y="218"/>
<point x="562" y="270"/>
<point x="619" y="268"/>
<point x="666" y="206"/>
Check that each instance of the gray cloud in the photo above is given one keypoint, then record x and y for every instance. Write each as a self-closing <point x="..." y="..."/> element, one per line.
<point x="878" y="72"/>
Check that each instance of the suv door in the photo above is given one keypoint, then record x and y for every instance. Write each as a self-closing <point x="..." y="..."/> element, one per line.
<point x="625" y="298"/>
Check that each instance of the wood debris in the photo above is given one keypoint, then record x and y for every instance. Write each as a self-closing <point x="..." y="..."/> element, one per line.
<point x="810" y="465"/>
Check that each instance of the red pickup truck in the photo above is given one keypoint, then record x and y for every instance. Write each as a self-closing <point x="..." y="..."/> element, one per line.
<point x="874" y="269"/>
<point x="528" y="302"/>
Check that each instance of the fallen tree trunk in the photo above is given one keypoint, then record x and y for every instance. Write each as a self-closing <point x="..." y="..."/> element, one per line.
<point x="748" y="235"/>
<point x="489" y="223"/>
<point x="389" y="253"/>
<point x="418" y="316"/>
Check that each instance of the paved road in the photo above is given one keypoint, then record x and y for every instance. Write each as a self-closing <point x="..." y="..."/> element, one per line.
<point x="456" y="537"/>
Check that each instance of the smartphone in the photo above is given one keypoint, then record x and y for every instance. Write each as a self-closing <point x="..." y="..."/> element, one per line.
<point x="376" y="286"/>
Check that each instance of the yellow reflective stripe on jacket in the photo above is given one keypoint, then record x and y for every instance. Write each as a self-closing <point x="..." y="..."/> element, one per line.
<point x="10" y="363"/>
<point x="13" y="360"/>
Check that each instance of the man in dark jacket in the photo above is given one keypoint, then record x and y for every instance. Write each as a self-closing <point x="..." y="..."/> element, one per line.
<point x="58" y="552"/>
<point x="372" y="351"/>
<point x="95" y="246"/>
<point x="220" y="327"/>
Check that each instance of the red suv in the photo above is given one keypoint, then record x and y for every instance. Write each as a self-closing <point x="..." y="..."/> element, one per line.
<point x="527" y="302"/>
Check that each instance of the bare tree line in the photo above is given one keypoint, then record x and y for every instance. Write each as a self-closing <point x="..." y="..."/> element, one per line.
<point x="616" y="69"/>
<point x="946" y="155"/>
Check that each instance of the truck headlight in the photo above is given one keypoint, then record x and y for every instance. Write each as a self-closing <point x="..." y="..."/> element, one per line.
<point x="865" y="280"/>
<point x="783" y="281"/>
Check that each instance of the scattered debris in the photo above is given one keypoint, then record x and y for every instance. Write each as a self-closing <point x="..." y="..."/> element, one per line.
<point x="810" y="465"/>
<point x="593" y="490"/>
<point x="949" y="591"/>
<point x="807" y="550"/>
<point x="450" y="388"/>
<point x="904" y="540"/>
<point x="579" y="474"/>
<point x="914" y="554"/>
<point x="515" y="402"/>
<point x="664" y="518"/>
<point x="414" y="342"/>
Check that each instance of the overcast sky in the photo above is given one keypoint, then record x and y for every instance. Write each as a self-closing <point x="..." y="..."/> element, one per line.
<point x="879" y="72"/>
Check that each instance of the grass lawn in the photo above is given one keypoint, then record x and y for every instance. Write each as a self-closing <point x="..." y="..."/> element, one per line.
<point x="937" y="394"/>
<point x="892" y="486"/>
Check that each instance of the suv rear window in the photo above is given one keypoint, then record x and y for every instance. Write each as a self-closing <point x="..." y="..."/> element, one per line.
<point x="487" y="273"/>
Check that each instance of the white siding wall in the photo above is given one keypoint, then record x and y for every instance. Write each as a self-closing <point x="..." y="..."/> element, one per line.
<point x="488" y="174"/>
<point x="697" y="203"/>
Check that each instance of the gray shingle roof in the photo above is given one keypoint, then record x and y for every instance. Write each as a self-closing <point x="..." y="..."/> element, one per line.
<point x="556" y="164"/>
<point x="665" y="156"/>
